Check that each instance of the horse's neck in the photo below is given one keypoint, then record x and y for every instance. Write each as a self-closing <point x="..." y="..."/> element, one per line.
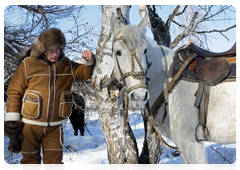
<point x="155" y="54"/>
<point x="156" y="73"/>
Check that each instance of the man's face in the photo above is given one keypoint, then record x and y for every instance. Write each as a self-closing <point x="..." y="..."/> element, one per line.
<point x="52" y="54"/>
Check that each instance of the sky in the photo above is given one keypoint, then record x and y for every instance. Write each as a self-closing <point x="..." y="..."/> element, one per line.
<point x="218" y="42"/>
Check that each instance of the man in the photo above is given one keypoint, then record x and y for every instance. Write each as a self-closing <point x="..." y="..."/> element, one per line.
<point x="39" y="98"/>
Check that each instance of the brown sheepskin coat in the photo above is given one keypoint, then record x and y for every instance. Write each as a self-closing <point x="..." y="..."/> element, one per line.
<point x="40" y="91"/>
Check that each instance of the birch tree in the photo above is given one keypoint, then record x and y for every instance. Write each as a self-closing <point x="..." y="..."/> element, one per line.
<point x="121" y="145"/>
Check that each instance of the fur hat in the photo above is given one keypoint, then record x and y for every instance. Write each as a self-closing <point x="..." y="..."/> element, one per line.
<point x="49" y="39"/>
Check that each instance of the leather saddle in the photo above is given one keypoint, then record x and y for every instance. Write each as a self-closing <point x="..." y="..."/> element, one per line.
<point x="204" y="53"/>
<point x="208" y="67"/>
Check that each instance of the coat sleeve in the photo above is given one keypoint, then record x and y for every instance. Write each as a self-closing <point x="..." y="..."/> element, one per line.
<point x="83" y="71"/>
<point x="15" y="93"/>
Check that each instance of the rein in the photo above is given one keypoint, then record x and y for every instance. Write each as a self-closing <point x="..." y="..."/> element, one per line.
<point x="160" y="100"/>
<point x="162" y="97"/>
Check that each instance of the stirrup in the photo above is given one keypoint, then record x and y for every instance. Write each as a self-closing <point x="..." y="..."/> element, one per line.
<point x="206" y="133"/>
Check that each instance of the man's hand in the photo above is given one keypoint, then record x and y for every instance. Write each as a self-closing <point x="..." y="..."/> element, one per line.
<point x="87" y="55"/>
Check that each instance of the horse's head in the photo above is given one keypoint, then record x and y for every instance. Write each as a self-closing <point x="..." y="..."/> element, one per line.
<point x="130" y="60"/>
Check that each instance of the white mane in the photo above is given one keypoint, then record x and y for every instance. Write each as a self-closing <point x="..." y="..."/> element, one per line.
<point x="133" y="35"/>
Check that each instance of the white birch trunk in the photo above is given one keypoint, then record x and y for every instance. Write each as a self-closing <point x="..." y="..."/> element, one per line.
<point x="122" y="147"/>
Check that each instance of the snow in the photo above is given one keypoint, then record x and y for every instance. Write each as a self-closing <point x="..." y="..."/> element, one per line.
<point x="92" y="150"/>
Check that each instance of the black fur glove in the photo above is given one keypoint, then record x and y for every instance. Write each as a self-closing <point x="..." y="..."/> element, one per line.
<point x="13" y="130"/>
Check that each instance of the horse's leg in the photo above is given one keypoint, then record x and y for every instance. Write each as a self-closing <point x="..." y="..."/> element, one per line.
<point x="75" y="126"/>
<point x="183" y="122"/>
<point x="82" y="130"/>
<point x="75" y="131"/>
<point x="81" y="123"/>
<point x="192" y="152"/>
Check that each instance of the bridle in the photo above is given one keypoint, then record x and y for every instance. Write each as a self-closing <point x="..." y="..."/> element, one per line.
<point x="138" y="75"/>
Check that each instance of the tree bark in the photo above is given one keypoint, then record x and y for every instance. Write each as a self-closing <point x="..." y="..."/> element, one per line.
<point x="158" y="27"/>
<point x="151" y="145"/>
<point x="121" y="144"/>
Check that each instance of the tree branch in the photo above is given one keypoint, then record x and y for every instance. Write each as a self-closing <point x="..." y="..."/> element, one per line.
<point x="170" y="17"/>
<point x="159" y="28"/>
<point x="184" y="9"/>
<point x="175" y="13"/>
<point x="214" y="30"/>
<point x="185" y="33"/>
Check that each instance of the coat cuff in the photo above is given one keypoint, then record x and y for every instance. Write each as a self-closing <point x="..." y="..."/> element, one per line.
<point x="89" y="62"/>
<point x="12" y="116"/>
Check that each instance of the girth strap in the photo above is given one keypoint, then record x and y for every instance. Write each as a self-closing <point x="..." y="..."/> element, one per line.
<point x="202" y="102"/>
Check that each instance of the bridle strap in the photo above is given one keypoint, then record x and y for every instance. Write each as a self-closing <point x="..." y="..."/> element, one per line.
<point x="139" y="75"/>
<point x="134" y="74"/>
<point x="136" y="87"/>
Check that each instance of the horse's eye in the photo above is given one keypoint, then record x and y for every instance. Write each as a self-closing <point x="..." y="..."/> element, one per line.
<point x="145" y="51"/>
<point x="118" y="53"/>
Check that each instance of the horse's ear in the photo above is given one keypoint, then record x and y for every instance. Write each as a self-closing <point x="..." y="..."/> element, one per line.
<point x="143" y="23"/>
<point x="113" y="23"/>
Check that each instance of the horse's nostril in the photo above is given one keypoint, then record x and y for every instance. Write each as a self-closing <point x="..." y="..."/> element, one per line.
<point x="146" y="96"/>
<point x="132" y="97"/>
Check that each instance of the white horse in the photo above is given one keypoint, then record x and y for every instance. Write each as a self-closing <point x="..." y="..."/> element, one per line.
<point x="182" y="117"/>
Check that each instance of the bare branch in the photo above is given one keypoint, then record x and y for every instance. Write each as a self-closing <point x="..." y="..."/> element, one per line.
<point x="185" y="33"/>
<point x="178" y="24"/>
<point x="175" y="13"/>
<point x="214" y="30"/>
<point x="198" y="31"/>
<point x="203" y="18"/>
<point x="221" y="10"/>
<point x="170" y="17"/>
<point x="184" y="9"/>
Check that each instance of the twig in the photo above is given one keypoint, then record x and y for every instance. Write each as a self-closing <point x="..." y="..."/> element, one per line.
<point x="69" y="147"/>
<point x="87" y="129"/>
<point x="75" y="104"/>
<point x="221" y="155"/>
<point x="170" y="17"/>
<point x="214" y="30"/>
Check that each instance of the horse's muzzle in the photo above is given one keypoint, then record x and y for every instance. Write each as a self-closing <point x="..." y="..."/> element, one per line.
<point x="138" y="97"/>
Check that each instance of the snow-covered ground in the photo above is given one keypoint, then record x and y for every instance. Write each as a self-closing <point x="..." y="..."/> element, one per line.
<point x="91" y="149"/>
